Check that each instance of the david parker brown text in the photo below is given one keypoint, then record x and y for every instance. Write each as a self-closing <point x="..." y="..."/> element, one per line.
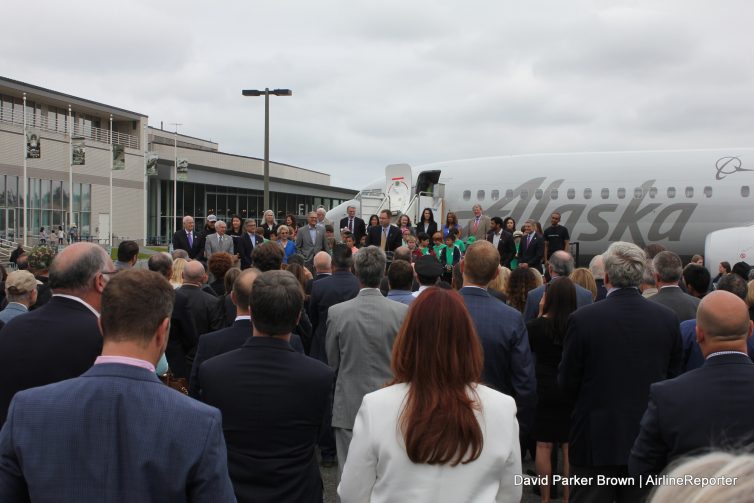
<point x="649" y="480"/>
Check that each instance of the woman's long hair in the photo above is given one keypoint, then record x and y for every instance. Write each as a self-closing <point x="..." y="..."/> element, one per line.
<point x="520" y="282"/>
<point x="560" y="302"/>
<point x="437" y="352"/>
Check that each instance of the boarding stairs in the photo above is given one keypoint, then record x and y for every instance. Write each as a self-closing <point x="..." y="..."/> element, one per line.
<point x="404" y="196"/>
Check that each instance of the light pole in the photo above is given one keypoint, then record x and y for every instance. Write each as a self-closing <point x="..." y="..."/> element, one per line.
<point x="175" y="183"/>
<point x="266" y="93"/>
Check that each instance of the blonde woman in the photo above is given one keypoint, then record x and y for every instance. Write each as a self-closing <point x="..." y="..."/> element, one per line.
<point x="269" y="225"/>
<point x="498" y="286"/>
<point x="584" y="278"/>
<point x="177" y="278"/>
<point x="289" y="247"/>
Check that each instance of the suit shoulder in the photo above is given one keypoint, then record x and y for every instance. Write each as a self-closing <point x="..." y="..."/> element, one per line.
<point x="315" y="367"/>
<point x="493" y="399"/>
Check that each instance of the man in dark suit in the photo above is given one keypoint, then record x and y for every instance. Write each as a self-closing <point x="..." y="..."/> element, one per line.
<point x="560" y="265"/>
<point x="707" y="408"/>
<point x="105" y="435"/>
<point x="322" y="269"/>
<point x="668" y="269"/>
<point x="310" y="239"/>
<point x="613" y="351"/>
<point x="183" y="337"/>
<point x="247" y="242"/>
<point x="273" y="400"/>
<point x="354" y="224"/>
<point x="386" y="236"/>
<point x="532" y="250"/>
<point x="204" y="307"/>
<point x="508" y="365"/>
<point x="60" y="340"/>
<point x="503" y="241"/>
<point x="187" y="239"/>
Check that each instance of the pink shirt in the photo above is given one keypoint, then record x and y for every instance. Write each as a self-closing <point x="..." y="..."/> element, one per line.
<point x="125" y="360"/>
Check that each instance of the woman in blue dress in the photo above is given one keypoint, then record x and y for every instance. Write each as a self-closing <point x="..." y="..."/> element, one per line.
<point x="289" y="247"/>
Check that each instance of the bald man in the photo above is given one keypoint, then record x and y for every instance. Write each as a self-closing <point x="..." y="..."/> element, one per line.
<point x="204" y="307"/>
<point x="61" y="339"/>
<point x="706" y="408"/>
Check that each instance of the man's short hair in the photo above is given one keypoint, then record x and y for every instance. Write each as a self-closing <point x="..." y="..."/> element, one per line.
<point x="697" y="277"/>
<point x="668" y="266"/>
<point x="161" y="263"/>
<point x="370" y="266"/>
<point x="481" y="262"/>
<point x="624" y="264"/>
<point x="67" y="274"/>
<point x="322" y="261"/>
<point x="561" y="263"/>
<point x="597" y="267"/>
<point x="342" y="257"/>
<point x="127" y="250"/>
<point x="180" y="253"/>
<point x="387" y="212"/>
<point x="497" y="221"/>
<point x="400" y="275"/>
<point x="193" y="272"/>
<point x="134" y="304"/>
<point x="267" y="257"/>
<point x="276" y="302"/>
<point x="734" y="284"/>
<point x="402" y="253"/>
<point x="242" y="286"/>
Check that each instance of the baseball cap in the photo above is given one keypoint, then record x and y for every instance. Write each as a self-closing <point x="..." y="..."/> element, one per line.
<point x="20" y="282"/>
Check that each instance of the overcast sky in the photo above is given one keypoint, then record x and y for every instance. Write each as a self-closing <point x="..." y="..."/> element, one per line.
<point x="382" y="82"/>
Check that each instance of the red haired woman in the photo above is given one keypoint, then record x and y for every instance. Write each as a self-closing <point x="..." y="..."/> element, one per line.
<point x="435" y="434"/>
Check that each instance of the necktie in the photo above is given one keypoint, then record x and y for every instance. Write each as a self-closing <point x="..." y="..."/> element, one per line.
<point x="190" y="240"/>
<point x="476" y="224"/>
<point x="528" y="241"/>
<point x="383" y="240"/>
<point x="350" y="224"/>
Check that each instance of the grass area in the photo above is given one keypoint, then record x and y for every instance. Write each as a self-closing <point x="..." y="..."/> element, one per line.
<point x="142" y="256"/>
<point x="157" y="248"/>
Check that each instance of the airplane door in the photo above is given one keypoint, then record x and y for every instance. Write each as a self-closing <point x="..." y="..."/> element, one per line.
<point x="398" y="181"/>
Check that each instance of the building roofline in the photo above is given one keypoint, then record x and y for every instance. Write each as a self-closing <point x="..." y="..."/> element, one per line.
<point x="68" y="96"/>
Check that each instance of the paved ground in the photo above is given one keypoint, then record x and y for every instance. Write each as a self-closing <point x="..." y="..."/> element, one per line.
<point x="329" y="475"/>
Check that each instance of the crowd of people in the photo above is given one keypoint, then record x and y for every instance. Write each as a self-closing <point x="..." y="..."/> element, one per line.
<point x="425" y="361"/>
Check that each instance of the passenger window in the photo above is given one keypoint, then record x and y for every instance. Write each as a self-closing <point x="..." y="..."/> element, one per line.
<point x="466" y="195"/>
<point x="689" y="192"/>
<point x="587" y="193"/>
<point x="744" y="191"/>
<point x="652" y="192"/>
<point x="495" y="195"/>
<point x="621" y="193"/>
<point x="605" y="193"/>
<point x="480" y="195"/>
<point x="638" y="193"/>
<point x="538" y="194"/>
<point x="707" y="191"/>
<point x="524" y="194"/>
<point x="554" y="194"/>
<point x="671" y="192"/>
<point x="571" y="194"/>
<point x="509" y="194"/>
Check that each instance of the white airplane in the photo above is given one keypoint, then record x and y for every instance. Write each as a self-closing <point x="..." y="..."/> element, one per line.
<point x="674" y="198"/>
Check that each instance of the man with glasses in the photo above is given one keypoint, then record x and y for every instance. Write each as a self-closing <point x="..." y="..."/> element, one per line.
<point x="61" y="339"/>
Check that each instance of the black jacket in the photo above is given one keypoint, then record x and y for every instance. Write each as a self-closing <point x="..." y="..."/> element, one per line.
<point x="326" y="292"/>
<point x="506" y="247"/>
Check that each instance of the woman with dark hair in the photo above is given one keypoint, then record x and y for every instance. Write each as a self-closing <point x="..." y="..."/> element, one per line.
<point x="452" y="432"/>
<point x="723" y="269"/>
<point x="218" y="265"/>
<point x="426" y="224"/>
<point x="236" y="226"/>
<point x="451" y="222"/>
<point x="521" y="281"/>
<point x="290" y="222"/>
<point x="374" y="221"/>
<point x="546" y="335"/>
<point x="509" y="224"/>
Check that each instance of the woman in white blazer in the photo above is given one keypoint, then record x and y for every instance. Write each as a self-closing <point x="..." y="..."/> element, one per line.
<point x="435" y="434"/>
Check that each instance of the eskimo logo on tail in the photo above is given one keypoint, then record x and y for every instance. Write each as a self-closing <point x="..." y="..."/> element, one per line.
<point x="668" y="220"/>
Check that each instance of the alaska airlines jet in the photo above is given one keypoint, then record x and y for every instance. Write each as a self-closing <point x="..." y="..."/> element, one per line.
<point x="674" y="198"/>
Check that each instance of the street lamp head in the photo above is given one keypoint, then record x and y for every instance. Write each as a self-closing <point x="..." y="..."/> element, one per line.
<point x="252" y="92"/>
<point x="282" y="92"/>
<point x="276" y="92"/>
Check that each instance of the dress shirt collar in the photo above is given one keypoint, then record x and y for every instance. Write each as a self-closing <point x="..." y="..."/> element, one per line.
<point x="720" y="353"/>
<point x="615" y="289"/>
<point x="79" y="300"/>
<point x="125" y="360"/>
<point x="669" y="286"/>
<point x="17" y="306"/>
<point x="243" y="317"/>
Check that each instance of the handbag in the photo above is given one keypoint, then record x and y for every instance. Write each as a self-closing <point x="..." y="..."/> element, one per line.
<point x="179" y="384"/>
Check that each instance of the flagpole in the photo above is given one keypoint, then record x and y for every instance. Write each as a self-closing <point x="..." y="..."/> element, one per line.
<point x="146" y="182"/>
<point x="112" y="166"/>
<point x="26" y="184"/>
<point x="70" y="171"/>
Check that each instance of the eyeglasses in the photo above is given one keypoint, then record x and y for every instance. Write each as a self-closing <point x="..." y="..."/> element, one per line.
<point x="110" y="272"/>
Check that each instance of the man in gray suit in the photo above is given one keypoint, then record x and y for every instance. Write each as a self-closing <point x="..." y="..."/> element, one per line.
<point x="668" y="269"/>
<point x="219" y="241"/>
<point x="311" y="239"/>
<point x="560" y="265"/>
<point x="359" y="342"/>
<point x="478" y="226"/>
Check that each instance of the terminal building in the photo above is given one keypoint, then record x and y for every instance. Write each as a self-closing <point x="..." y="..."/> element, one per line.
<point x="61" y="142"/>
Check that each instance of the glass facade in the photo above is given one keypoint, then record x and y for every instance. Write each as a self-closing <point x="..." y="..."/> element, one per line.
<point x="47" y="206"/>
<point x="200" y="200"/>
